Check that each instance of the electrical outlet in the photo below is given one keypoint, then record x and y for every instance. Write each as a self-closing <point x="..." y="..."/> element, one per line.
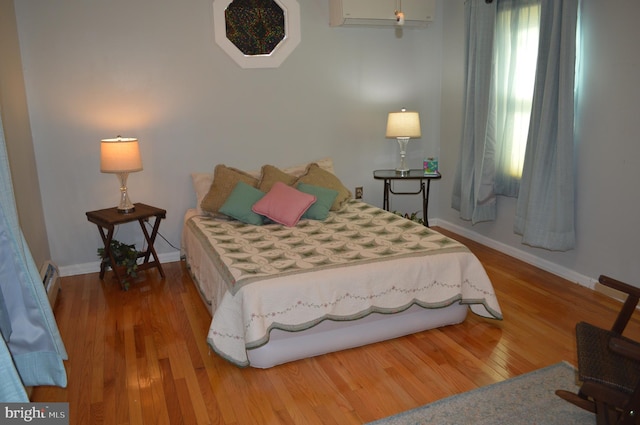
<point x="359" y="192"/>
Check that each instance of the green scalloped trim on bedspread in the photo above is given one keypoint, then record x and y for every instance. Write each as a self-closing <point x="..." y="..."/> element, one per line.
<point x="357" y="234"/>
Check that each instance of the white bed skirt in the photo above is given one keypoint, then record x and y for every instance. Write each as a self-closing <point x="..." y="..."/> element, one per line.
<point x="329" y="336"/>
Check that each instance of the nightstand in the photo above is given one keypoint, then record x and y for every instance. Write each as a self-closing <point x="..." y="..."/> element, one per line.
<point x="108" y="218"/>
<point x="416" y="174"/>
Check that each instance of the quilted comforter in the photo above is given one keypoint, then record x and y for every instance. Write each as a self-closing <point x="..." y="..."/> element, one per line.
<point x="360" y="260"/>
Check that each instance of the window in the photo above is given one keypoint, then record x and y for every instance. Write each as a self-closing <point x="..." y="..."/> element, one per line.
<point x="516" y="52"/>
<point x="257" y="33"/>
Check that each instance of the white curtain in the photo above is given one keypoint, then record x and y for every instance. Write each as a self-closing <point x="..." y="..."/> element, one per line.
<point x="545" y="210"/>
<point x="31" y="350"/>
<point x="515" y="54"/>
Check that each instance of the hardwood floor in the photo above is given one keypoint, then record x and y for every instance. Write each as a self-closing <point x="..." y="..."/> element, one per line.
<point x="141" y="357"/>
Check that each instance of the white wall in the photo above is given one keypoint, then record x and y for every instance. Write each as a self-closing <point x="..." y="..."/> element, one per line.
<point x="151" y="69"/>
<point x="607" y="148"/>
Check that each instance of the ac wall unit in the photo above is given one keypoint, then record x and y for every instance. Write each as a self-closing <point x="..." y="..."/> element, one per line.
<point x="375" y="13"/>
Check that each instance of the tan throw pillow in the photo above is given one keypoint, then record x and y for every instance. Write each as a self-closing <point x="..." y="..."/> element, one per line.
<point x="271" y="174"/>
<point x="319" y="177"/>
<point x="225" y="180"/>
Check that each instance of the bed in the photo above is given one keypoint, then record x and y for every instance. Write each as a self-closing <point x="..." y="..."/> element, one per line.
<point x="282" y="292"/>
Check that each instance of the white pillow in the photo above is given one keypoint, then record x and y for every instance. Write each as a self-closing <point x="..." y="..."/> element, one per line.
<point x="201" y="185"/>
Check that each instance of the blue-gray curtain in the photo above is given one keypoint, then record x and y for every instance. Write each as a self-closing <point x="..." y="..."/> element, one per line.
<point x="545" y="205"/>
<point x="545" y="212"/>
<point x="473" y="193"/>
<point x="31" y="350"/>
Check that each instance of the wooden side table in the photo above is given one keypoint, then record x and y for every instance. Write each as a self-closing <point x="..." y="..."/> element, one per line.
<point x="107" y="219"/>
<point x="414" y="174"/>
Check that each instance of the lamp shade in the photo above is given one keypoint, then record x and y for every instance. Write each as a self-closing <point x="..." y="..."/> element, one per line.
<point x="403" y="124"/>
<point x="120" y="155"/>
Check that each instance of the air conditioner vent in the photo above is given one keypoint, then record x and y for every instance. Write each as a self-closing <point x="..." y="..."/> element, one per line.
<point x="51" y="280"/>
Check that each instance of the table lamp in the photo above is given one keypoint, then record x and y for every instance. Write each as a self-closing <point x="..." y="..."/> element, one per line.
<point x="402" y="126"/>
<point x="121" y="156"/>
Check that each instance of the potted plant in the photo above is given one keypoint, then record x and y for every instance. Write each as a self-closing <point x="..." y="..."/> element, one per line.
<point x="413" y="216"/>
<point x="125" y="256"/>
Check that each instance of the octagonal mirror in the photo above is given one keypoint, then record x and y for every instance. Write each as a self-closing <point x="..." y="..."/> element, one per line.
<point x="257" y="33"/>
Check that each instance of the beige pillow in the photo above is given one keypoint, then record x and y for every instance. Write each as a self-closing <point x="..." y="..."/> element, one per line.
<point x="320" y="177"/>
<point x="225" y="180"/>
<point x="271" y="174"/>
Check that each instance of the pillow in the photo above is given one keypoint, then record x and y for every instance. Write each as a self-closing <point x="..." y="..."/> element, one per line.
<point x="201" y="184"/>
<point x="239" y="202"/>
<point x="202" y="181"/>
<point x="284" y="204"/>
<point x="324" y="199"/>
<point x="316" y="176"/>
<point x="271" y="174"/>
<point x="300" y="169"/>
<point x="225" y="180"/>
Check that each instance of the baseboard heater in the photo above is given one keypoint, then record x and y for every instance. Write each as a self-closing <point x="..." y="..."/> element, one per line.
<point x="51" y="281"/>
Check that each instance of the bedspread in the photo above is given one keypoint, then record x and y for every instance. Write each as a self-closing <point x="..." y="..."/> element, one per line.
<point x="360" y="260"/>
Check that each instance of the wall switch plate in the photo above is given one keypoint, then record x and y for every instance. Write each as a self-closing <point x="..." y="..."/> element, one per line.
<point x="359" y="192"/>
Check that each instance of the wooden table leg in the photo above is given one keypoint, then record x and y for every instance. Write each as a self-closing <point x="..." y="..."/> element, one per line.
<point x="151" y="251"/>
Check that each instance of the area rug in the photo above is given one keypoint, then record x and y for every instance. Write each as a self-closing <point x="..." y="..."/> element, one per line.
<point x="524" y="400"/>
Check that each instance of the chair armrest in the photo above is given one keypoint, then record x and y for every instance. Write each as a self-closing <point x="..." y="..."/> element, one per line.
<point x="625" y="348"/>
<point x="630" y="304"/>
<point x="620" y="286"/>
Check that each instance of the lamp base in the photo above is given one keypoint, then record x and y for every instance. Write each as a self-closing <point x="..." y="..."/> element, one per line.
<point x="402" y="169"/>
<point x="125" y="207"/>
<point x="125" y="210"/>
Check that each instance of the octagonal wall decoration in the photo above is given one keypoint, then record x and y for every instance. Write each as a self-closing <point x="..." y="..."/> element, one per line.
<point x="257" y="33"/>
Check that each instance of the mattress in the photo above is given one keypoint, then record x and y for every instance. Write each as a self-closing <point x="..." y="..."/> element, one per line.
<point x="277" y="294"/>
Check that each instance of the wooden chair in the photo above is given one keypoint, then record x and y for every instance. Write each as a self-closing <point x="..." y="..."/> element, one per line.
<point x="609" y="366"/>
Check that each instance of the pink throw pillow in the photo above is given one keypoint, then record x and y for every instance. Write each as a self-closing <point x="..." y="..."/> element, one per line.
<point x="284" y="204"/>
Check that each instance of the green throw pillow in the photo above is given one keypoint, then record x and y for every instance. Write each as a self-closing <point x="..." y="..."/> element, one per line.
<point x="239" y="202"/>
<point x="324" y="199"/>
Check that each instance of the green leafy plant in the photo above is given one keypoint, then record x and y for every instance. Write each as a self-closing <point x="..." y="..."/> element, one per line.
<point x="125" y="256"/>
<point x="413" y="216"/>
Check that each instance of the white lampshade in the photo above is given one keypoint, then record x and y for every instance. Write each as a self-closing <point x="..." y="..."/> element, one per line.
<point x="120" y="155"/>
<point x="403" y="124"/>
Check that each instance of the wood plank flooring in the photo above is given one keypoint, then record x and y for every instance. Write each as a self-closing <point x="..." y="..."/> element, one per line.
<point x="141" y="357"/>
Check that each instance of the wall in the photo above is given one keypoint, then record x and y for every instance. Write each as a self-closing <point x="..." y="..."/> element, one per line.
<point x="607" y="148"/>
<point x="151" y="69"/>
<point x="17" y="134"/>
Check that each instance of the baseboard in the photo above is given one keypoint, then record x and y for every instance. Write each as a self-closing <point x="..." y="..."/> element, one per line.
<point x="610" y="292"/>
<point x="94" y="266"/>
<point x="556" y="269"/>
